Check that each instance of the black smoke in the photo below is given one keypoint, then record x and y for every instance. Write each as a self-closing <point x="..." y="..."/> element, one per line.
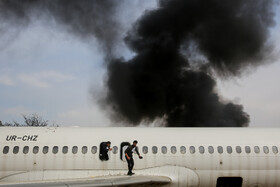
<point x="163" y="80"/>
<point x="180" y="48"/>
<point x="86" y="19"/>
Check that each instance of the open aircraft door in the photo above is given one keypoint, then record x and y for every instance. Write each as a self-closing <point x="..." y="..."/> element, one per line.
<point x="124" y="146"/>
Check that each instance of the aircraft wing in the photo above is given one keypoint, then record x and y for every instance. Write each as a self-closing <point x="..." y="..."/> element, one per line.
<point x="136" y="180"/>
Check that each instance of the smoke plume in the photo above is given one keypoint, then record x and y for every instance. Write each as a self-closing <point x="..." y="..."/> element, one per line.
<point x="165" y="79"/>
<point x="179" y="49"/>
<point x="83" y="18"/>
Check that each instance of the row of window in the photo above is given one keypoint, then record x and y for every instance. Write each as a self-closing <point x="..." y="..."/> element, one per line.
<point x="55" y="149"/>
<point x="173" y="149"/>
<point x="220" y="149"/>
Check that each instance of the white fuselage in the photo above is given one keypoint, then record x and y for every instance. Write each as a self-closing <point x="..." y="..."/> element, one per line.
<point x="189" y="160"/>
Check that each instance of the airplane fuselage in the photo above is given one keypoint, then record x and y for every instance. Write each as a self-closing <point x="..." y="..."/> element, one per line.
<point x="188" y="156"/>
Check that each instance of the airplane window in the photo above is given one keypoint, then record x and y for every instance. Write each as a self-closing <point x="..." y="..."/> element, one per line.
<point x="45" y="149"/>
<point x="183" y="149"/>
<point x="154" y="149"/>
<point x="25" y="149"/>
<point x="6" y="149"/>
<point x="220" y="149"/>
<point x="201" y="149"/>
<point x="84" y="149"/>
<point x="192" y="149"/>
<point x="173" y="149"/>
<point x="16" y="149"/>
<point x="93" y="149"/>
<point x="74" y="149"/>
<point x="265" y="149"/>
<point x="247" y="149"/>
<point x="229" y="149"/>
<point x="145" y="149"/>
<point x="257" y="149"/>
<point x="274" y="149"/>
<point x="164" y="149"/>
<point x="55" y="149"/>
<point x="35" y="149"/>
<point x="65" y="149"/>
<point x="211" y="149"/>
<point x="115" y="149"/>
<point x="238" y="149"/>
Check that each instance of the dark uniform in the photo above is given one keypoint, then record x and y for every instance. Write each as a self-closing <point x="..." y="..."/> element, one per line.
<point x="104" y="151"/>
<point x="129" y="152"/>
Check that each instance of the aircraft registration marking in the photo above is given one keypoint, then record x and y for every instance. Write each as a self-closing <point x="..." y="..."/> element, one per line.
<point x="22" y="138"/>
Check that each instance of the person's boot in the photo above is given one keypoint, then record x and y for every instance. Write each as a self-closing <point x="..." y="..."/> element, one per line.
<point x="129" y="173"/>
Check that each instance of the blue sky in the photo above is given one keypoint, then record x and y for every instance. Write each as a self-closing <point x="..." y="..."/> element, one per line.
<point x="47" y="71"/>
<point x="54" y="74"/>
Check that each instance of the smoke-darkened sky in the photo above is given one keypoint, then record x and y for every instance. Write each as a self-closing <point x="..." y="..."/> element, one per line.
<point x="85" y="62"/>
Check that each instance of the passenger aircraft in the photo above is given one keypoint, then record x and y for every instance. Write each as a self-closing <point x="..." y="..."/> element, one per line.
<point x="189" y="157"/>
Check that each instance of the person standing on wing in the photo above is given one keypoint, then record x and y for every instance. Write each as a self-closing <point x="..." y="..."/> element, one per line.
<point x="129" y="158"/>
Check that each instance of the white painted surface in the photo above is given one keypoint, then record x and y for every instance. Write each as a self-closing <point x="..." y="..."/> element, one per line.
<point x="184" y="169"/>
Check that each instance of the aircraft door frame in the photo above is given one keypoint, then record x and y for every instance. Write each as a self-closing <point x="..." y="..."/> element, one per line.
<point x="123" y="147"/>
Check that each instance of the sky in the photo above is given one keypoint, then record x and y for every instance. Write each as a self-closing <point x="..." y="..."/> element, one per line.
<point x="52" y="73"/>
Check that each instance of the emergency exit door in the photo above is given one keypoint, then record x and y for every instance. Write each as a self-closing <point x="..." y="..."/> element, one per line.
<point x="124" y="146"/>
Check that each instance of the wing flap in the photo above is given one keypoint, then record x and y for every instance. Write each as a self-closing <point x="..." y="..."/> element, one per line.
<point x="137" y="180"/>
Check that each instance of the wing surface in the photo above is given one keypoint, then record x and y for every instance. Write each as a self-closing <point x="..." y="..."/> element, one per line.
<point x="137" y="180"/>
